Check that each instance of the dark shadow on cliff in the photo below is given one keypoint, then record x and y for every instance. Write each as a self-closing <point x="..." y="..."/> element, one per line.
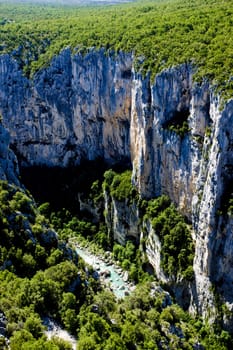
<point x="60" y="186"/>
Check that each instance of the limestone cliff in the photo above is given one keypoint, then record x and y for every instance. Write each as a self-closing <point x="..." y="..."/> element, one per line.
<point x="77" y="108"/>
<point x="8" y="162"/>
<point x="122" y="219"/>
<point x="193" y="168"/>
<point x="178" y="138"/>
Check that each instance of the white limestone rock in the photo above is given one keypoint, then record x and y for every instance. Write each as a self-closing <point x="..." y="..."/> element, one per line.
<point x="77" y="108"/>
<point x="122" y="219"/>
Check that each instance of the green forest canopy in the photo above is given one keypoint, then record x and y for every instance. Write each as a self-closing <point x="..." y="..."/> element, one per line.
<point x="42" y="276"/>
<point x="160" y="33"/>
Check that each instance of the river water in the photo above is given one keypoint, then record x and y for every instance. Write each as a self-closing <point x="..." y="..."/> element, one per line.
<point x="117" y="279"/>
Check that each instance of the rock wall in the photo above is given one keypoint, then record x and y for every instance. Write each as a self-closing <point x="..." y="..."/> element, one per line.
<point x="194" y="169"/>
<point x="77" y="108"/>
<point x="97" y="106"/>
<point x="163" y="161"/>
<point x="153" y="249"/>
<point x="212" y="221"/>
<point x="122" y="219"/>
<point x="8" y="162"/>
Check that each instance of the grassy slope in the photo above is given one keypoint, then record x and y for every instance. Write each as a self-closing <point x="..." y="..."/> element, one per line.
<point x="163" y="32"/>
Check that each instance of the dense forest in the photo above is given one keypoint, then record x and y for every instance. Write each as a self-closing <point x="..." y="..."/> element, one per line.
<point x="194" y="31"/>
<point x="42" y="276"/>
<point x="69" y="2"/>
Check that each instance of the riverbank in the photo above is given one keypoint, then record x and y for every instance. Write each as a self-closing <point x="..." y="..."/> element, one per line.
<point x="111" y="277"/>
<point x="110" y="274"/>
<point x="55" y="330"/>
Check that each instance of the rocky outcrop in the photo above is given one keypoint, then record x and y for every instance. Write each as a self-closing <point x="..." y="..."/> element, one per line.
<point x="122" y="219"/>
<point x="178" y="138"/>
<point x="153" y="249"/>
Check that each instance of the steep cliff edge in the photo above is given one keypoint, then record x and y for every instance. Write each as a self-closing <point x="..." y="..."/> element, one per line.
<point x="192" y="163"/>
<point x="77" y="108"/>
<point x="178" y="138"/>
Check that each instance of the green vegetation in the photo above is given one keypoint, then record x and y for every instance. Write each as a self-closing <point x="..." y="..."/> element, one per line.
<point x="181" y="129"/>
<point x="143" y="320"/>
<point x="41" y="276"/>
<point x="119" y="185"/>
<point x="132" y="260"/>
<point x="176" y="242"/>
<point x="26" y="239"/>
<point x="160" y="33"/>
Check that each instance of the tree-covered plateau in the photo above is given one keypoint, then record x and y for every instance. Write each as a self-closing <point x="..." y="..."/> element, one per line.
<point x="159" y="33"/>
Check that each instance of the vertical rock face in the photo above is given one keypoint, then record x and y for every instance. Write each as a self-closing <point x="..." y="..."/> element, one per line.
<point x="194" y="169"/>
<point x="213" y="263"/>
<point x="8" y="162"/>
<point x="122" y="219"/>
<point x="179" y="141"/>
<point x="77" y="108"/>
<point x="164" y="161"/>
<point x="153" y="250"/>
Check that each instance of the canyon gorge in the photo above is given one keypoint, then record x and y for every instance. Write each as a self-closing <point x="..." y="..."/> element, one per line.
<point x="175" y="134"/>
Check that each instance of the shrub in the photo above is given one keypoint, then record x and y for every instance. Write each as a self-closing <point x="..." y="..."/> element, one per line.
<point x="175" y="236"/>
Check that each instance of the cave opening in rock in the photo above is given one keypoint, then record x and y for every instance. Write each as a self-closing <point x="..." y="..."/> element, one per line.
<point x="177" y="118"/>
<point x="147" y="267"/>
<point x="226" y="199"/>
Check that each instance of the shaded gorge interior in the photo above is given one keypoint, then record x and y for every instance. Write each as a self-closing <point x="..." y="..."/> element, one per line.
<point x="61" y="186"/>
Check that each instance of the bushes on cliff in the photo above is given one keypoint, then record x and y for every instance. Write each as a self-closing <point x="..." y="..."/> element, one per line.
<point x="180" y="129"/>
<point x="177" y="249"/>
<point x="119" y="185"/>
